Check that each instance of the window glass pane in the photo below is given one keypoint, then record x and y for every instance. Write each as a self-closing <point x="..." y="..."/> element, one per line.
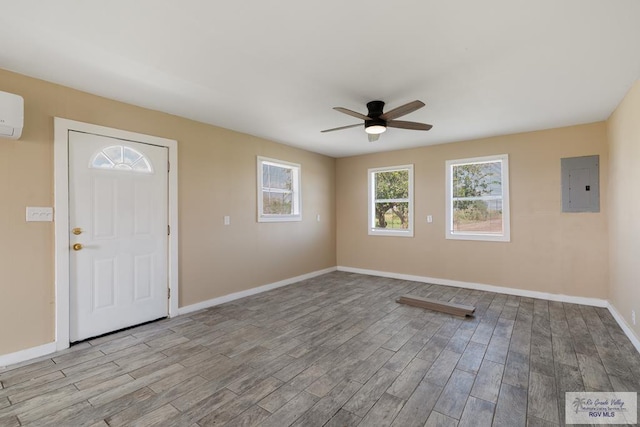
<point x="392" y="216"/>
<point x="277" y="203"/>
<point x="101" y="161"/>
<point x="131" y="156"/>
<point x="392" y="185"/>
<point x="142" y="165"/>
<point x="277" y="177"/>
<point x="477" y="179"/>
<point x="114" y="153"/>
<point x="479" y="216"/>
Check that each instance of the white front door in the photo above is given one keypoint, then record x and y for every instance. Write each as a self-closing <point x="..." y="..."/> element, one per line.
<point x="118" y="234"/>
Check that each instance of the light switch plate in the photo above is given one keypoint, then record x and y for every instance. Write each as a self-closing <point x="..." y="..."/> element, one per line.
<point x="40" y="214"/>
<point x="227" y="220"/>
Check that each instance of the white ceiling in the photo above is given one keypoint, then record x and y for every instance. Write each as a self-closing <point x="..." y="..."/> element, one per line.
<point x="276" y="68"/>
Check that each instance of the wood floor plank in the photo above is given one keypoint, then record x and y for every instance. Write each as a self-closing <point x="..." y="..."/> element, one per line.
<point x="279" y="398"/>
<point x="129" y="386"/>
<point x="437" y="419"/>
<point x="511" y="409"/>
<point x="234" y="408"/>
<point x="196" y="411"/>
<point x="84" y="413"/>
<point x="291" y="411"/>
<point x="329" y="405"/>
<point x="516" y="370"/>
<point x="497" y="349"/>
<point x="157" y="401"/>
<point x="249" y="418"/>
<point x="409" y="379"/>
<point x="542" y="391"/>
<point x="472" y="357"/>
<point x="9" y="421"/>
<point x="477" y="413"/>
<point x="343" y="419"/>
<point x="594" y="376"/>
<point x="488" y="380"/>
<point x="156" y="417"/>
<point x="442" y="368"/>
<point x="403" y="356"/>
<point x="416" y="410"/>
<point x="454" y="396"/>
<point x="370" y="392"/>
<point x="383" y="412"/>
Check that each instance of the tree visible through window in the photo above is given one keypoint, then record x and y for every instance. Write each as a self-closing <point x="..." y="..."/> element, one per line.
<point x="478" y="198"/>
<point x="391" y="200"/>
<point x="278" y="190"/>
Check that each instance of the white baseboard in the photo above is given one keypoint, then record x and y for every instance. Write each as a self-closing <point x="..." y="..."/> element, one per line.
<point x="237" y="295"/>
<point x="596" y="302"/>
<point x="29" y="353"/>
<point x="625" y="327"/>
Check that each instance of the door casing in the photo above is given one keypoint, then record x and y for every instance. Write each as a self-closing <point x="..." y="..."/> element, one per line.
<point x="61" y="215"/>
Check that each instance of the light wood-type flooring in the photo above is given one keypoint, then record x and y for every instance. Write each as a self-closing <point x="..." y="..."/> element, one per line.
<point x="335" y="350"/>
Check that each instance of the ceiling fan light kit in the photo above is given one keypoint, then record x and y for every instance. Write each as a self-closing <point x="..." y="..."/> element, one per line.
<point x="374" y="127"/>
<point x="376" y="121"/>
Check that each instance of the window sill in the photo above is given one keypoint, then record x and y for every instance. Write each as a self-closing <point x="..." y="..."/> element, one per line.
<point x="292" y="218"/>
<point x="479" y="237"/>
<point x="391" y="233"/>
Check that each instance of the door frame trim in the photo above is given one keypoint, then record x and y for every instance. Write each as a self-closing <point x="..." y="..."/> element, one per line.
<point x="62" y="127"/>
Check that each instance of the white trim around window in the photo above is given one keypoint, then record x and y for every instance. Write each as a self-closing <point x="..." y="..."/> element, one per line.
<point x="407" y="199"/>
<point x="283" y="187"/>
<point x="489" y="187"/>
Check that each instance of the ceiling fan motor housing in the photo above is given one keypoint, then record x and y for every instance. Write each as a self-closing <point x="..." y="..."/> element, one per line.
<point x="375" y="111"/>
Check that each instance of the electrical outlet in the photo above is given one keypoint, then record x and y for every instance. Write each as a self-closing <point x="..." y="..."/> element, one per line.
<point x="633" y="316"/>
<point x="227" y="220"/>
<point x="429" y="219"/>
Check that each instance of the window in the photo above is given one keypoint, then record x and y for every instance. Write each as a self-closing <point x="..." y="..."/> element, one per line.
<point x="391" y="201"/>
<point x="278" y="191"/>
<point x="478" y="198"/>
<point x="119" y="157"/>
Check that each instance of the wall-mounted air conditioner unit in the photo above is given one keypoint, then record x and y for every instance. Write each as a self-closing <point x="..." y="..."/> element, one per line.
<point x="11" y="115"/>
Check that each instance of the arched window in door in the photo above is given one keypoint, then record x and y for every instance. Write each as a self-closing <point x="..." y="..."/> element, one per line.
<point x="123" y="158"/>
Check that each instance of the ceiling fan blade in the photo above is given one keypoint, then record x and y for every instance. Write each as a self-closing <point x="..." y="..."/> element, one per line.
<point x="402" y="110"/>
<point x="373" y="136"/>
<point x="351" y="113"/>
<point x="408" y="125"/>
<point x="342" y="127"/>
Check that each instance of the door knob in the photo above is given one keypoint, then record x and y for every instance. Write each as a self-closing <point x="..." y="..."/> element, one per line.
<point x="77" y="231"/>
<point x="77" y="246"/>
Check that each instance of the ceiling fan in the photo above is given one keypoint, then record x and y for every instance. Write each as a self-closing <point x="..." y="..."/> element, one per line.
<point x="376" y="121"/>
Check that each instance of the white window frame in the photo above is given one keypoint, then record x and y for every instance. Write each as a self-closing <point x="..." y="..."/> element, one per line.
<point x="371" y="221"/>
<point x="296" y="197"/>
<point x="506" y="229"/>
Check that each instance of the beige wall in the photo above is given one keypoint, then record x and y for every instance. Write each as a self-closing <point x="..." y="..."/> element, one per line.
<point x="217" y="177"/>
<point x="550" y="251"/>
<point x="624" y="227"/>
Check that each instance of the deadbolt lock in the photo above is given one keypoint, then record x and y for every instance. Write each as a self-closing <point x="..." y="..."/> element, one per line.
<point x="77" y="231"/>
